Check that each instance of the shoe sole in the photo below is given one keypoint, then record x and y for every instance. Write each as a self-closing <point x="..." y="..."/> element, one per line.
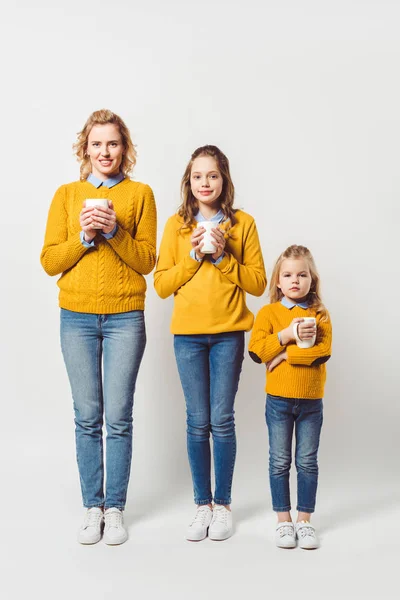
<point x="217" y="538"/>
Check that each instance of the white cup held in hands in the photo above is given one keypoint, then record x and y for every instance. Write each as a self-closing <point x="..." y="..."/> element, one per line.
<point x="304" y="343"/>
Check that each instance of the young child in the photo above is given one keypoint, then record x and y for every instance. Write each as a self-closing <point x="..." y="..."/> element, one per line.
<point x="209" y="320"/>
<point x="295" y="386"/>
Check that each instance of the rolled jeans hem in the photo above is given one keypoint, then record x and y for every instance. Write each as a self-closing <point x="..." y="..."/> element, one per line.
<point x="281" y="508"/>
<point x="106" y="507"/>
<point x="304" y="509"/>
<point x="223" y="502"/>
<point x="96" y="505"/>
<point x="203" y="502"/>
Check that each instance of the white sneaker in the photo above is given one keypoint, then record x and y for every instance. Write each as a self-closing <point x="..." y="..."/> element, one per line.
<point x="221" y="525"/>
<point x="285" y="536"/>
<point x="91" y="528"/>
<point x="114" y="530"/>
<point x="306" y="535"/>
<point x="197" y="529"/>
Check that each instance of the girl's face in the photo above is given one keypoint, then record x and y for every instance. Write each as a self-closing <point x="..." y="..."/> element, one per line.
<point x="105" y="150"/>
<point x="295" y="279"/>
<point x="206" y="180"/>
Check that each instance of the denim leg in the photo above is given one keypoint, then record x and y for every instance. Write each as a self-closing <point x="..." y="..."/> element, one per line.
<point x="192" y="358"/>
<point x="280" y="421"/>
<point x="81" y="346"/>
<point x="308" y="429"/>
<point x="226" y="358"/>
<point x="124" y="341"/>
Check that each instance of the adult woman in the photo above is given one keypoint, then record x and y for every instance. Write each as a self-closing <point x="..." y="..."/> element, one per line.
<point x="102" y="253"/>
<point x="209" y="320"/>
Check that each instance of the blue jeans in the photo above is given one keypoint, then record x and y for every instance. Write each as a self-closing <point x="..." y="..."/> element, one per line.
<point x="283" y="415"/>
<point x="102" y="354"/>
<point x="209" y="368"/>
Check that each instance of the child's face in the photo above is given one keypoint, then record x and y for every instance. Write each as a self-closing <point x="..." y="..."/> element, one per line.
<point x="295" y="279"/>
<point x="105" y="150"/>
<point x="206" y="180"/>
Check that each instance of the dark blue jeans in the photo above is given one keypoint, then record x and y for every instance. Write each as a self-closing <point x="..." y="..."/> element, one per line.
<point x="102" y="354"/>
<point x="209" y="368"/>
<point x="305" y="416"/>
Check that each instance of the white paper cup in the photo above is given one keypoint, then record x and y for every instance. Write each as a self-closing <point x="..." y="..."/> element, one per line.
<point x="209" y="242"/>
<point x="304" y="343"/>
<point x="92" y="202"/>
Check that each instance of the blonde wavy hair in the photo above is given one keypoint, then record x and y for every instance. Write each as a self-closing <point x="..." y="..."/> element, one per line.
<point x="314" y="295"/>
<point x="190" y="206"/>
<point x="103" y="117"/>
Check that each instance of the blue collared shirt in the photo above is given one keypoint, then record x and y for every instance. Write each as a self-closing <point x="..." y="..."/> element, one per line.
<point x="218" y="218"/>
<point x="289" y="304"/>
<point x="109" y="183"/>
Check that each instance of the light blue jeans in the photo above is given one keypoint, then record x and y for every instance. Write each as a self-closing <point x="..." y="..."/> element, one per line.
<point x="102" y="354"/>
<point x="209" y="368"/>
<point x="284" y="415"/>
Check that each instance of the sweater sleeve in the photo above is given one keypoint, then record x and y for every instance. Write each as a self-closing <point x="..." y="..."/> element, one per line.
<point x="264" y="344"/>
<point x="139" y="252"/>
<point x="60" y="252"/>
<point x="168" y="276"/>
<point x="249" y="276"/>
<point x="318" y="354"/>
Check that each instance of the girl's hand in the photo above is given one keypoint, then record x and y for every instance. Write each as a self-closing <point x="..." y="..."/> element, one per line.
<point x="86" y="223"/>
<point x="306" y="330"/>
<point x="276" y="361"/>
<point x="219" y="238"/>
<point x="287" y="334"/>
<point x="104" y="218"/>
<point x="197" y="241"/>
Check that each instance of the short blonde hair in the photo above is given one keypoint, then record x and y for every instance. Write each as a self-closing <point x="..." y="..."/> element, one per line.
<point x="314" y="295"/>
<point x="103" y="117"/>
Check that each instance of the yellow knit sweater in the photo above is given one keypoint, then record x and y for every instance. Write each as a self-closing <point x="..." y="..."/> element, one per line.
<point x="107" y="278"/>
<point x="303" y="374"/>
<point x="210" y="298"/>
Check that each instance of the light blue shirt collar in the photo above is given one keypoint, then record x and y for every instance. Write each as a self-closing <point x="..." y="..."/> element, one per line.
<point x="107" y="183"/>
<point x="289" y="304"/>
<point x="218" y="218"/>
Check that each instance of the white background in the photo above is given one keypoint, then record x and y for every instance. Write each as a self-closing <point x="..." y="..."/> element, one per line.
<point x="303" y="97"/>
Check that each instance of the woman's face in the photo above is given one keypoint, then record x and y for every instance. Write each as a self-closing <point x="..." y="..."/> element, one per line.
<point x="105" y="150"/>
<point x="206" y="180"/>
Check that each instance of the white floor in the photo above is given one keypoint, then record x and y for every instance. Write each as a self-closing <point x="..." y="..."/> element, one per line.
<point x="358" y="558"/>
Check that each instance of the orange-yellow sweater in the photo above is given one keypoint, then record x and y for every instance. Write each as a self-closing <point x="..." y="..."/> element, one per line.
<point x="303" y="374"/>
<point x="109" y="277"/>
<point x="210" y="298"/>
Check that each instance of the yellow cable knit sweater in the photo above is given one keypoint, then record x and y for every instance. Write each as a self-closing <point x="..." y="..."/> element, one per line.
<point x="303" y="374"/>
<point x="211" y="298"/>
<point x="109" y="277"/>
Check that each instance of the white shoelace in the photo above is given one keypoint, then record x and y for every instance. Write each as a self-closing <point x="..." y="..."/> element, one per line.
<point x="114" y="519"/>
<point x="286" y="530"/>
<point x="200" y="516"/>
<point x="92" y="519"/>
<point x="220" y="515"/>
<point x="306" y="530"/>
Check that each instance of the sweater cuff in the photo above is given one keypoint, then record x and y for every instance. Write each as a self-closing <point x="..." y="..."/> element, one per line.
<point x="110" y="235"/>
<point x="223" y="263"/>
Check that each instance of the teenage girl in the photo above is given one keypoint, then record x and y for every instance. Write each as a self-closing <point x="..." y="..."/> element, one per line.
<point x="209" y="320"/>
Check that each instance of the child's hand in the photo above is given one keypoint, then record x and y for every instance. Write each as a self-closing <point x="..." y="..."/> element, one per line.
<point x="306" y="330"/>
<point x="287" y="334"/>
<point x="197" y="241"/>
<point x="276" y="361"/>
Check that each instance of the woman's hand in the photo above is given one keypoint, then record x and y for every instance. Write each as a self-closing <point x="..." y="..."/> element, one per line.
<point x="219" y="238"/>
<point x="197" y="241"/>
<point x="86" y="223"/>
<point x="276" y="361"/>
<point x="104" y="218"/>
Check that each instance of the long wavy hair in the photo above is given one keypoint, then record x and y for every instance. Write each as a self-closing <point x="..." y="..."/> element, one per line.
<point x="190" y="206"/>
<point x="314" y="295"/>
<point x="103" y="117"/>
